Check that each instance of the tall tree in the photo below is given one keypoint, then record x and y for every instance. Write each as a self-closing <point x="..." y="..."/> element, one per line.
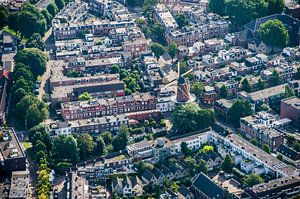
<point x="52" y="9"/>
<point x="65" y="147"/>
<point x="158" y="49"/>
<point x="239" y="109"/>
<point x="4" y="13"/>
<point x="266" y="148"/>
<point x="35" y="59"/>
<point x="253" y="179"/>
<point x="261" y="84"/>
<point x="181" y="20"/>
<point x="60" y="4"/>
<point x="245" y="85"/>
<point x="197" y="89"/>
<point x="274" y="33"/>
<point x="120" y="142"/>
<point x="48" y="17"/>
<point x="86" y="145"/>
<point x="223" y="92"/>
<point x="289" y="92"/>
<point x="274" y="78"/>
<point x="217" y="6"/>
<point x="35" y="41"/>
<point x="173" y="50"/>
<point x="297" y="75"/>
<point x="275" y="6"/>
<point x="228" y="164"/>
<point x="157" y="30"/>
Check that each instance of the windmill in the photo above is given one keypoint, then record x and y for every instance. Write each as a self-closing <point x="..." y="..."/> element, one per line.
<point x="183" y="88"/>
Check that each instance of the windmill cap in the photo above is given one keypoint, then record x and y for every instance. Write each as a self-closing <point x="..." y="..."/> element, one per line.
<point x="181" y="80"/>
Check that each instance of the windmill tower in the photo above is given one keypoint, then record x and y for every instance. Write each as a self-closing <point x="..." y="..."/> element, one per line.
<point x="183" y="88"/>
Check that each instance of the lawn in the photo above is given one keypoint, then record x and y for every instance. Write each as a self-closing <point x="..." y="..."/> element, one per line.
<point x="7" y="29"/>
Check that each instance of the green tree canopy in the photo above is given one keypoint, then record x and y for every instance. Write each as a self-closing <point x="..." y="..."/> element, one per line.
<point x="85" y="96"/>
<point x="181" y="20"/>
<point x="65" y="148"/>
<point x="60" y="4"/>
<point x="228" y="164"/>
<point x="266" y="148"/>
<point x="274" y="33"/>
<point x="185" y="150"/>
<point x="115" y="69"/>
<point x="173" y="50"/>
<point x="217" y="6"/>
<point x="274" y="78"/>
<point x="120" y="142"/>
<point x="223" y="92"/>
<point x="52" y="9"/>
<point x="86" y="145"/>
<point x="197" y="89"/>
<point x="275" y="6"/>
<point x="188" y="118"/>
<point x="158" y="49"/>
<point x="245" y="85"/>
<point x="35" y="59"/>
<point x="289" y="92"/>
<point x="35" y="41"/>
<point x="4" y="13"/>
<point x="48" y="17"/>
<point x="253" y="179"/>
<point x="239" y="109"/>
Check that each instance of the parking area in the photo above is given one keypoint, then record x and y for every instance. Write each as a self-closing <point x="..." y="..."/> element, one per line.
<point x="232" y="185"/>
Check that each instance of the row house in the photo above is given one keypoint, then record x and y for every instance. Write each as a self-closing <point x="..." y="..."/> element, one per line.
<point x="290" y="108"/>
<point x="96" y="27"/>
<point x="231" y="85"/>
<point x="62" y="94"/>
<point x="285" y="72"/>
<point x="233" y="54"/>
<point x="238" y="146"/>
<point x="73" y="11"/>
<point x="92" y="66"/>
<point x="136" y="47"/>
<point x="161" y="148"/>
<point x="127" y="186"/>
<point x="93" y="125"/>
<point x="254" y="65"/>
<point x="286" y="187"/>
<point x="271" y="96"/>
<point x="163" y="15"/>
<point x="187" y="36"/>
<point x="209" y="95"/>
<point x="105" y="107"/>
<point x="262" y="128"/>
<point x="289" y="155"/>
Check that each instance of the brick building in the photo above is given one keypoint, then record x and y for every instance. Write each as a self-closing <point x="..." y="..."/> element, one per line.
<point x="290" y="108"/>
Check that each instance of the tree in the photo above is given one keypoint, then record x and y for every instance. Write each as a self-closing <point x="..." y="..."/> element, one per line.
<point x="23" y="83"/>
<point x="18" y="95"/>
<point x="266" y="148"/>
<point x="279" y="157"/>
<point x="288" y="92"/>
<point x="217" y="6"/>
<point x="52" y="9"/>
<point x="35" y="59"/>
<point x="297" y="75"/>
<point x="197" y="89"/>
<point x="275" y="6"/>
<point x="86" y="145"/>
<point x="296" y="146"/>
<point x="65" y="147"/>
<point x="228" y="164"/>
<point x="107" y="137"/>
<point x="85" y="96"/>
<point x="35" y="115"/>
<point x="223" y="92"/>
<point x="185" y="150"/>
<point x="158" y="49"/>
<point x="261" y="84"/>
<point x="274" y="33"/>
<point x="157" y="30"/>
<point x="188" y="118"/>
<point x="115" y="69"/>
<point x="181" y="20"/>
<point x="27" y="21"/>
<point x="22" y="71"/>
<point x="274" y="78"/>
<point x="48" y="17"/>
<point x="206" y="149"/>
<point x="60" y="4"/>
<point x="173" y="50"/>
<point x="244" y="11"/>
<point x="31" y="111"/>
<point x="290" y="139"/>
<point x="191" y="164"/>
<point x="245" y="85"/>
<point x="4" y="13"/>
<point x="100" y="146"/>
<point x="253" y="179"/>
<point x="239" y="109"/>
<point x="254" y="141"/>
<point x="120" y="142"/>
<point x="35" y="41"/>
<point x="202" y="166"/>
<point x="62" y="167"/>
